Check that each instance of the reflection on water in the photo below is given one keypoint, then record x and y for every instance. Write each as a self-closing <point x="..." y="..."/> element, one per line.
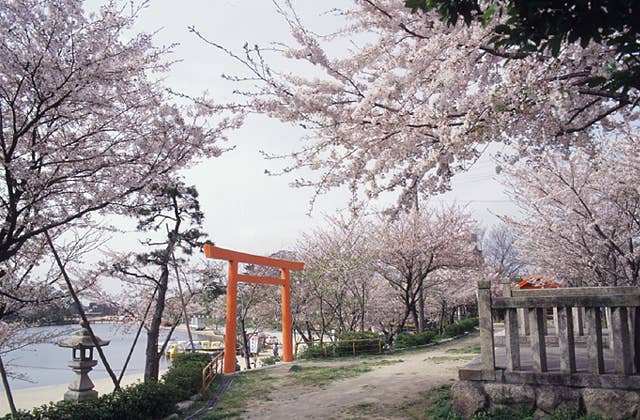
<point x="46" y="364"/>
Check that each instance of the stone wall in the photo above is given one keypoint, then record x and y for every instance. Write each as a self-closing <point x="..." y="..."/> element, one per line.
<point x="469" y="397"/>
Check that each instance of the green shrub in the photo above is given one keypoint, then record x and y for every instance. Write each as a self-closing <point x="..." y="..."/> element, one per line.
<point x="150" y="400"/>
<point x="270" y="360"/>
<point x="406" y="339"/>
<point x="185" y="373"/>
<point x="368" y="342"/>
<point x="315" y="352"/>
<point x="344" y="346"/>
<point x="460" y="327"/>
<point x="357" y="335"/>
<point x="194" y="357"/>
<point x="441" y="405"/>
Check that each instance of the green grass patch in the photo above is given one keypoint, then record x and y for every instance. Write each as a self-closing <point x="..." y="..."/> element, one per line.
<point x="363" y="410"/>
<point x="384" y="362"/>
<point x="442" y="359"/>
<point x="246" y="386"/>
<point x="322" y="375"/>
<point x="439" y="404"/>
<point x="465" y="350"/>
<point x="435" y="346"/>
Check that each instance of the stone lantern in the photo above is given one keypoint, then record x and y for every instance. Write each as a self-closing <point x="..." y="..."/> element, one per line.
<point x="82" y="363"/>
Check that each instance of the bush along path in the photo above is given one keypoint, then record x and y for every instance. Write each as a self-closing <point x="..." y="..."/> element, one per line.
<point x="351" y="343"/>
<point x="141" y="401"/>
<point x="373" y="387"/>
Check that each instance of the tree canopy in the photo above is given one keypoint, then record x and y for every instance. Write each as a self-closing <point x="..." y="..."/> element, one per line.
<point x="415" y="100"/>
<point x="547" y="24"/>
<point x="85" y="120"/>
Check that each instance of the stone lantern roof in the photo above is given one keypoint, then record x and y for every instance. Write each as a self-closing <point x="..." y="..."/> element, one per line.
<point x="82" y="338"/>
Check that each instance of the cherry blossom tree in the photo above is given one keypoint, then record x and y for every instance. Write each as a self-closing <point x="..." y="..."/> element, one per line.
<point x="386" y="311"/>
<point x="85" y="122"/>
<point x="581" y="214"/>
<point x="453" y="291"/>
<point x="416" y="245"/>
<point x="546" y="25"/>
<point x="400" y="101"/>
<point x="338" y="275"/>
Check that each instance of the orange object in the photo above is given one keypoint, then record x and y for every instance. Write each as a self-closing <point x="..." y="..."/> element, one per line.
<point x="536" y="282"/>
<point x="234" y="257"/>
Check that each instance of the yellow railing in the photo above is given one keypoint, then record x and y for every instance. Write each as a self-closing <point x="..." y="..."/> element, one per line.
<point x="209" y="373"/>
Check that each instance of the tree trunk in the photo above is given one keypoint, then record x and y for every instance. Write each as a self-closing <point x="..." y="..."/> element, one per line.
<point x="442" y="315"/>
<point x="416" y="317"/>
<point x="362" y="308"/>
<point x="152" y="362"/>
<point x="7" y="390"/>
<point x="245" y="344"/>
<point x="421" y="317"/>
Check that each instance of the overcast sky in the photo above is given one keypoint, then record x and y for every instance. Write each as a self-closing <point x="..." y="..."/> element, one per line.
<point x="244" y="208"/>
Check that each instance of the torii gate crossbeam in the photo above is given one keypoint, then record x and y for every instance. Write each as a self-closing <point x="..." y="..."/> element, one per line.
<point x="234" y="257"/>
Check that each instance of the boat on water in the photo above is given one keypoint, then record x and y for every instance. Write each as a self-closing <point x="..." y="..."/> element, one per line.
<point x="175" y="348"/>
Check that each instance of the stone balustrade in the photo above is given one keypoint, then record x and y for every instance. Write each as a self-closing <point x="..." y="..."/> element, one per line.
<point x="623" y="303"/>
<point x="581" y="346"/>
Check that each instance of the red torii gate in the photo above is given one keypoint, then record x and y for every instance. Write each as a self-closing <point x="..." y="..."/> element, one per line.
<point x="234" y="257"/>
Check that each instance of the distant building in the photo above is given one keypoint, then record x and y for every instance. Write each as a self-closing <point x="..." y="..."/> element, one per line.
<point x="101" y="309"/>
<point x="197" y="323"/>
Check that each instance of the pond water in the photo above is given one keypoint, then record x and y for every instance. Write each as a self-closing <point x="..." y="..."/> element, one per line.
<point x="46" y="364"/>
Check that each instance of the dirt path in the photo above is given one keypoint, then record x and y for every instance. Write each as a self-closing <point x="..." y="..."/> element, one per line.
<point x="377" y="394"/>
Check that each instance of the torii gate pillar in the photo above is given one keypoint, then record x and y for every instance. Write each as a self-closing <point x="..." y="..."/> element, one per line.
<point x="234" y="257"/>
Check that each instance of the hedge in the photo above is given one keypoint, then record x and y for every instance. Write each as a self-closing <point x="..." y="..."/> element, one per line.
<point x="368" y="342"/>
<point x="270" y="360"/>
<point x="460" y="327"/>
<point x="185" y="373"/>
<point x="141" y="401"/>
<point x="146" y="400"/>
<point x="406" y="339"/>
<point x="345" y="347"/>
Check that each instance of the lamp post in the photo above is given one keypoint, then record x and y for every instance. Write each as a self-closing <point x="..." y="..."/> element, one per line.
<point x="82" y="362"/>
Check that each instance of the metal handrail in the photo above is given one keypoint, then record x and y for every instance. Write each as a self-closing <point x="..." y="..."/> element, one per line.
<point x="209" y="373"/>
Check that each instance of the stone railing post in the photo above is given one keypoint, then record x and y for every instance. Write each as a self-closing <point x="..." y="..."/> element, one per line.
<point x="511" y="333"/>
<point x="622" y="360"/>
<point x="487" y="350"/>
<point x="636" y="339"/>
<point x="594" y="341"/>
<point x="564" y="331"/>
